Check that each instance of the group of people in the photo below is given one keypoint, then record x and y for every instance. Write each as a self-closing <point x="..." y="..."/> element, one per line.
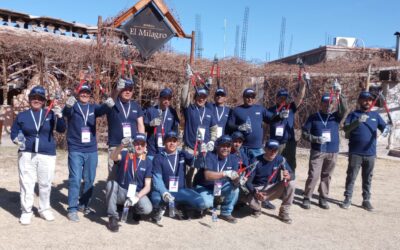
<point x="222" y="162"/>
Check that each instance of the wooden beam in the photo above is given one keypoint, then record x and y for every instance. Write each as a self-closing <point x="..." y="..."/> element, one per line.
<point x="121" y="18"/>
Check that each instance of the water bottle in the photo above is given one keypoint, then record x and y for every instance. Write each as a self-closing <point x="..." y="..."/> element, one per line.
<point x="386" y="131"/>
<point x="214" y="215"/>
<point x="171" y="208"/>
<point x="248" y="122"/>
<point x="21" y="140"/>
<point x="125" y="213"/>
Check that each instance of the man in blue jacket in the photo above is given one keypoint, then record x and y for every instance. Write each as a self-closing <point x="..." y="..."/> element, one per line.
<point x="32" y="131"/>
<point x="322" y="130"/>
<point x="282" y="129"/>
<point x="272" y="179"/>
<point x="133" y="180"/>
<point x="159" y="121"/>
<point x="82" y="148"/>
<point x="221" y="111"/>
<point x="219" y="179"/>
<point x="169" y="170"/>
<point x="361" y="128"/>
<point x="125" y="119"/>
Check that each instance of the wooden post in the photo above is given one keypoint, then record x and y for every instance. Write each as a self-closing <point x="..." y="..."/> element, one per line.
<point x="4" y="76"/>
<point x="98" y="57"/>
<point x="368" y="78"/>
<point x="192" y="45"/>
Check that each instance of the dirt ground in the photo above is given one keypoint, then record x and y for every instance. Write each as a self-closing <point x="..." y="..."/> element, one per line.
<point x="315" y="228"/>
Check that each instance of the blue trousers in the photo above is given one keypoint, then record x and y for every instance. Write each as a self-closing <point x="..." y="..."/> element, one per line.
<point x="184" y="196"/>
<point x="228" y="192"/>
<point x="80" y="165"/>
<point x="253" y="153"/>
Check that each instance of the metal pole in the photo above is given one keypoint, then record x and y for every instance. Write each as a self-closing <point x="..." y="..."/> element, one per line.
<point x="397" y="34"/>
<point x="192" y="47"/>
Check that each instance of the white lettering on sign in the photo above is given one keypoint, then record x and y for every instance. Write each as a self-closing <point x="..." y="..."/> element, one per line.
<point x="147" y="33"/>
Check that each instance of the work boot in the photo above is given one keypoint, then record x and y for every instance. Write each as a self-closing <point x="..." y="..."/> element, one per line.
<point x="268" y="205"/>
<point x="306" y="203"/>
<point x="323" y="203"/>
<point x="346" y="203"/>
<point x="228" y="218"/>
<point x="136" y="218"/>
<point x="113" y="224"/>
<point x="284" y="216"/>
<point x="366" y="204"/>
<point x="157" y="216"/>
<point x="255" y="213"/>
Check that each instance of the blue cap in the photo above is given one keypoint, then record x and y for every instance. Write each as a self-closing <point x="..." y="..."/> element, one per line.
<point x="220" y="91"/>
<point x="272" y="144"/>
<point x="140" y="137"/>
<point x="224" y="139"/>
<point x="37" y="91"/>
<point x="325" y="97"/>
<point x="170" y="134"/>
<point x="282" y="92"/>
<point x="237" y="135"/>
<point x="85" y="87"/>
<point x="166" y="92"/>
<point x="249" y="91"/>
<point x="365" y="95"/>
<point x="201" y="91"/>
<point x="128" y="84"/>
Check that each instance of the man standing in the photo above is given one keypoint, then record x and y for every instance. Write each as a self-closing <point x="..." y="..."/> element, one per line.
<point x="221" y="111"/>
<point x="248" y="118"/>
<point x="322" y="130"/>
<point x="215" y="181"/>
<point x="200" y="126"/>
<point x="361" y="128"/>
<point x="169" y="170"/>
<point x="133" y="180"/>
<point x="272" y="179"/>
<point x="159" y="121"/>
<point x="282" y="130"/>
<point x="125" y="119"/>
<point x="82" y="148"/>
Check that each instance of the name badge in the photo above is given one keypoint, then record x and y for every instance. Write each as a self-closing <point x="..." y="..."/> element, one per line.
<point x="219" y="132"/>
<point x="173" y="184"/>
<point x="202" y="132"/>
<point x="36" y="144"/>
<point x="160" y="142"/>
<point x="85" y="135"/>
<point x="326" y="133"/>
<point x="126" y="130"/>
<point x="217" y="188"/>
<point x="131" y="191"/>
<point x="279" y="130"/>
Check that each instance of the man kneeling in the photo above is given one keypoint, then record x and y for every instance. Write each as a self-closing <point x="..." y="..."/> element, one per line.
<point x="133" y="181"/>
<point x="272" y="179"/>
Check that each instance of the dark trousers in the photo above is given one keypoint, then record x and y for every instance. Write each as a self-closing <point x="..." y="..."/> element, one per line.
<point x="367" y="166"/>
<point x="288" y="150"/>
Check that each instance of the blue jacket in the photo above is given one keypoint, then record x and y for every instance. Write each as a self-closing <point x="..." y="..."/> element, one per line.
<point x="163" y="166"/>
<point x="216" y="164"/>
<point x="24" y="122"/>
<point x="116" y="117"/>
<point x="76" y="121"/>
<point x="125" y="175"/>
<point x="257" y="115"/>
<point x="221" y="114"/>
<point x="362" y="139"/>
<point x="287" y="123"/>
<point x="169" y="122"/>
<point x="196" y="117"/>
<point x="264" y="169"/>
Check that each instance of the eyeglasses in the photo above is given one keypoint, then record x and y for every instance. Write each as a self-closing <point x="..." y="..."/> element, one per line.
<point x="140" y="143"/>
<point x="250" y="96"/>
<point x="128" y="89"/>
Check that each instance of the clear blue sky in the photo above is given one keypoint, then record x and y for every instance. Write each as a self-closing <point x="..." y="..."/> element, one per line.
<point x="308" y="21"/>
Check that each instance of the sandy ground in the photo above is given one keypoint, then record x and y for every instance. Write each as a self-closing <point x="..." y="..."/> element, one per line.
<point x="315" y="228"/>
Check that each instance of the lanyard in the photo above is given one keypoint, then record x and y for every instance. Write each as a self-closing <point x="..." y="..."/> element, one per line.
<point x="126" y="113"/>
<point x="223" y="166"/>
<point x="170" y="164"/>
<point x="37" y="125"/>
<point x="201" y="116"/>
<point x="219" y="117"/>
<point x="85" y="118"/>
<point x="320" y="117"/>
